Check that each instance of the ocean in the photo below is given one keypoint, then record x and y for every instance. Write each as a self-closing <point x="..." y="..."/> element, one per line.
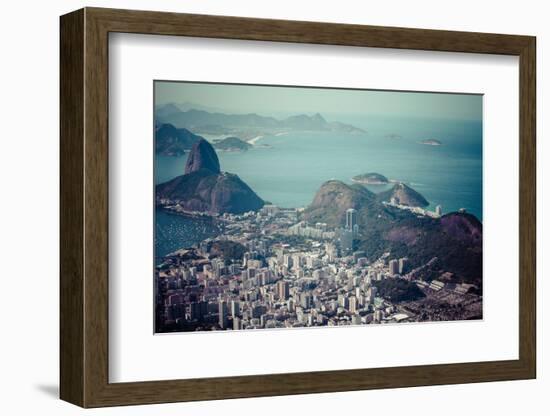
<point x="287" y="170"/>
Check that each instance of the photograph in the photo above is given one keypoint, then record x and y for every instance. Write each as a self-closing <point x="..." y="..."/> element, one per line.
<point x="294" y="207"/>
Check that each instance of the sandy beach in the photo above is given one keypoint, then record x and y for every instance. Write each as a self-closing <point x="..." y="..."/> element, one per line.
<point x="254" y="140"/>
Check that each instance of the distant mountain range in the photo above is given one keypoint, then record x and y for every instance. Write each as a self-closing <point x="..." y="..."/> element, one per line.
<point x="246" y="126"/>
<point x="170" y="108"/>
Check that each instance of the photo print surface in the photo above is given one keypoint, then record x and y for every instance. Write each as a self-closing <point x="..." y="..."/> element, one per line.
<point x="294" y="207"/>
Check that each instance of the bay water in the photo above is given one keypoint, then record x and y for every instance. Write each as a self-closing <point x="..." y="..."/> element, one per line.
<point x="288" y="169"/>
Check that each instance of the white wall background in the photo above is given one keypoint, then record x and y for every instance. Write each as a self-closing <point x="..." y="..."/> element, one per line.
<point x="29" y="84"/>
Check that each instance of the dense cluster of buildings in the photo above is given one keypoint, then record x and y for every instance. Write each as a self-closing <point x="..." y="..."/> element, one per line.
<point x="281" y="274"/>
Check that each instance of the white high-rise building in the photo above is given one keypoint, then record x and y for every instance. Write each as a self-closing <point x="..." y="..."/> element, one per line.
<point x="296" y="261"/>
<point x="287" y="261"/>
<point x="351" y="219"/>
<point x="236" y="324"/>
<point x="283" y="289"/>
<point x="331" y="251"/>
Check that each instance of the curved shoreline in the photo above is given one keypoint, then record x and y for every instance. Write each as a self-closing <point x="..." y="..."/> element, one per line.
<point x="254" y="140"/>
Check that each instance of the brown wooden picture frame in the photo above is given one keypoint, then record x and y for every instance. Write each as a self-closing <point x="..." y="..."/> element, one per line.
<point x="84" y="207"/>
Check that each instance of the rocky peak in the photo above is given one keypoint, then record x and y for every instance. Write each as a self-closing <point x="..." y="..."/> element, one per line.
<point x="202" y="156"/>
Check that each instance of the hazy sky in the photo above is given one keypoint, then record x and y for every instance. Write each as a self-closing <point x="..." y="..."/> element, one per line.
<point x="291" y="100"/>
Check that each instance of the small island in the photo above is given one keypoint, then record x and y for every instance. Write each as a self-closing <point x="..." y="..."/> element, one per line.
<point x="232" y="144"/>
<point x="393" y="136"/>
<point x="431" y="142"/>
<point x="370" y="178"/>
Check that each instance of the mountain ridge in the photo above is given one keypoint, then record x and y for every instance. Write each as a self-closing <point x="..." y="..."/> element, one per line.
<point x="451" y="243"/>
<point x="171" y="141"/>
<point x="201" y="120"/>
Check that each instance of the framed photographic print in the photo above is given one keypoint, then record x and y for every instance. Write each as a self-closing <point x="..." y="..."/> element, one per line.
<point x="255" y="207"/>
